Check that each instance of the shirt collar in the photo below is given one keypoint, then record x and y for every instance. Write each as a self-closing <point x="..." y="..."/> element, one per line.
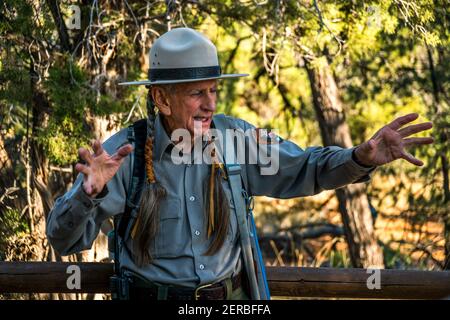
<point x="162" y="140"/>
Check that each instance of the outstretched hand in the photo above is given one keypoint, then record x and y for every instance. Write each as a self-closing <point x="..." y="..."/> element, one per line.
<point x="99" y="167"/>
<point x="391" y="141"/>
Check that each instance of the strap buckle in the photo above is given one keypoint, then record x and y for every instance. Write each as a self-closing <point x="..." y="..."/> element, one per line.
<point x="249" y="201"/>
<point x="233" y="169"/>
<point x="197" y="293"/>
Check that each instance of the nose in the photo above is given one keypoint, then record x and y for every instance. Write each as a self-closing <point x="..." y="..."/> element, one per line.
<point x="209" y="102"/>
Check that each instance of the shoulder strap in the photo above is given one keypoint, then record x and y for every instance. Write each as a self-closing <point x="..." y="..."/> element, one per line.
<point x="137" y="135"/>
<point x="234" y="178"/>
<point x="251" y="252"/>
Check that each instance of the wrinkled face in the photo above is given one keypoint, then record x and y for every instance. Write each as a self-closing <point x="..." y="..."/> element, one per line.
<point x="186" y="105"/>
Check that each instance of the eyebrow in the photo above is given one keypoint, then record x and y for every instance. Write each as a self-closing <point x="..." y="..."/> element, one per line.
<point x="201" y="89"/>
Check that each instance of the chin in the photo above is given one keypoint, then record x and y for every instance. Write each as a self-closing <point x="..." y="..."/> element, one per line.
<point x="204" y="127"/>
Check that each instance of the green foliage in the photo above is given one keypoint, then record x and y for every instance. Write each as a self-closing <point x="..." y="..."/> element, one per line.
<point x="70" y="99"/>
<point x="395" y="259"/>
<point x="339" y="259"/>
<point x="11" y="223"/>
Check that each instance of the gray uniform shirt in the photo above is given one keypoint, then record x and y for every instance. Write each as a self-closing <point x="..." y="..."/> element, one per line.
<point x="75" y="220"/>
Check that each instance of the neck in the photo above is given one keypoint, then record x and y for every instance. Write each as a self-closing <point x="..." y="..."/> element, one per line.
<point x="166" y="125"/>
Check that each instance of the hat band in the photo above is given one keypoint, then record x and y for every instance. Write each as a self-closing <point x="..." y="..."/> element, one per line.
<point x="184" y="73"/>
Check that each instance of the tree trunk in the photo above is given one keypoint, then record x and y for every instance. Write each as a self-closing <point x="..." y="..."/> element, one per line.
<point x="41" y="200"/>
<point x="60" y="25"/>
<point x="437" y="89"/>
<point x="353" y="202"/>
<point x="445" y="171"/>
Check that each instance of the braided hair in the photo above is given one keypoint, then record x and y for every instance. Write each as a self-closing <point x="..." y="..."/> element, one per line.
<point x="217" y="207"/>
<point x="146" y="226"/>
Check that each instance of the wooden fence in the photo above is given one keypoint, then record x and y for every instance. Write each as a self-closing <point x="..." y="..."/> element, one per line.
<point x="51" y="277"/>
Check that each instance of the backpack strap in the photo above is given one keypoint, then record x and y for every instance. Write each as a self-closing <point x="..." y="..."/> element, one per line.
<point x="137" y="135"/>
<point x="260" y="268"/>
<point x="234" y="178"/>
<point x="251" y="252"/>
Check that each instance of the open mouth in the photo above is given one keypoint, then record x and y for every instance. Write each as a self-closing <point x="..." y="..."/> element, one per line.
<point x="202" y="119"/>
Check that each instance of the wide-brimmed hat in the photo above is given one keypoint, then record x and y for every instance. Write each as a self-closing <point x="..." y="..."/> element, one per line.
<point x="182" y="55"/>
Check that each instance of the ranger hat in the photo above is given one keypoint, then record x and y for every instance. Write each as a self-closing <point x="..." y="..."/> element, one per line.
<point x="183" y="55"/>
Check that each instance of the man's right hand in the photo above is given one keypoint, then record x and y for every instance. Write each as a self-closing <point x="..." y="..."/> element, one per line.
<point x="99" y="167"/>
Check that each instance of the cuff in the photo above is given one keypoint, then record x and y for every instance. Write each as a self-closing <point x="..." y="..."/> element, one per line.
<point x="87" y="203"/>
<point x="361" y="172"/>
<point x="355" y="159"/>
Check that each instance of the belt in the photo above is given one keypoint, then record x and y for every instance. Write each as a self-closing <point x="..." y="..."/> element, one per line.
<point x="141" y="289"/>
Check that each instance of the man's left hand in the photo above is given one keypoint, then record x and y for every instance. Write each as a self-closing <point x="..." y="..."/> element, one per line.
<point x="390" y="142"/>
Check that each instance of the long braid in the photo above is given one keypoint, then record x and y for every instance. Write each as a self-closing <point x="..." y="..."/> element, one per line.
<point x="146" y="227"/>
<point x="217" y="208"/>
<point x="151" y="112"/>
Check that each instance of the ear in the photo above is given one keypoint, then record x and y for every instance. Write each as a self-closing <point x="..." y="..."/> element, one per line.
<point x="161" y="99"/>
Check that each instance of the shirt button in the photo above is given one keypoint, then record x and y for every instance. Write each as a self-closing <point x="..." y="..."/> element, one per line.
<point x="197" y="233"/>
<point x="201" y="267"/>
<point x="192" y="198"/>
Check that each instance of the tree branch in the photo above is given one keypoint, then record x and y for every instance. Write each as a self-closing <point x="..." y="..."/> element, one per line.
<point x="61" y="26"/>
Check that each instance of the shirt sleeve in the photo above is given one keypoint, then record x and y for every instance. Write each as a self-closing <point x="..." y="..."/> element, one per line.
<point x="75" y="219"/>
<point x="294" y="172"/>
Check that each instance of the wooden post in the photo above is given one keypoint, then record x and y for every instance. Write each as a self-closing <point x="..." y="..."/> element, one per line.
<point x="352" y="283"/>
<point x="51" y="277"/>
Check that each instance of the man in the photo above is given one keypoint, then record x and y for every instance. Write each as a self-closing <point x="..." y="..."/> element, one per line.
<point x="185" y="232"/>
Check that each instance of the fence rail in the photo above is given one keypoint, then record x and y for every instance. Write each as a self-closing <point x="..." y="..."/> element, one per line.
<point x="51" y="277"/>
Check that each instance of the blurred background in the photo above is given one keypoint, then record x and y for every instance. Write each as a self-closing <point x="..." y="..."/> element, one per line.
<point x="321" y="73"/>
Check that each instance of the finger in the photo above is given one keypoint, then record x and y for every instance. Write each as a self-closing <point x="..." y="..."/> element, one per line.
<point x="85" y="155"/>
<point x="123" y="152"/>
<point x="401" y="121"/>
<point x="87" y="188"/>
<point x="417" y="141"/>
<point x="415" y="128"/>
<point x="97" y="147"/>
<point x="372" y="143"/>
<point x="411" y="159"/>
<point x="81" y="168"/>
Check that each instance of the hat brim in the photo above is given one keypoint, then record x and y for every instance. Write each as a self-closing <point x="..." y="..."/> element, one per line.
<point x="148" y="82"/>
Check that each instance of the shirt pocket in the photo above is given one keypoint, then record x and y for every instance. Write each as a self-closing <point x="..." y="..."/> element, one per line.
<point x="170" y="230"/>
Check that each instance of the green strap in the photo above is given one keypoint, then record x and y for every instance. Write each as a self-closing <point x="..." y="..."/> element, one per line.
<point x="236" y="181"/>
<point x="234" y="178"/>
